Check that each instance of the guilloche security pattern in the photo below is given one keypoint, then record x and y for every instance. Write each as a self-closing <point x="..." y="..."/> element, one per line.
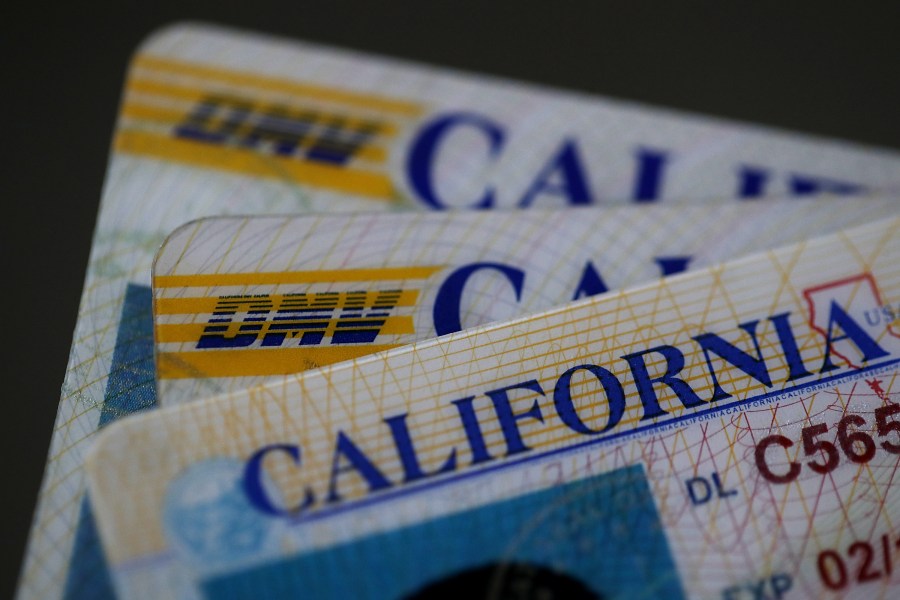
<point x="240" y="300"/>
<point x="722" y="431"/>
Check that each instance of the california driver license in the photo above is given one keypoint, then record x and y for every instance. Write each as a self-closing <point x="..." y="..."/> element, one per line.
<point x="724" y="432"/>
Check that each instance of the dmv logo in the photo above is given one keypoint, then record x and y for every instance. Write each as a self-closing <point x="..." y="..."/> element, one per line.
<point x="260" y="126"/>
<point x="304" y="319"/>
<point x="303" y="133"/>
<point x="222" y="333"/>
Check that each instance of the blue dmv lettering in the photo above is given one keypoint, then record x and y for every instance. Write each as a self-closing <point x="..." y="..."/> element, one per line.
<point x="307" y="134"/>
<point x="304" y="319"/>
<point x="565" y="174"/>
<point x="590" y="284"/>
<point x="494" y="409"/>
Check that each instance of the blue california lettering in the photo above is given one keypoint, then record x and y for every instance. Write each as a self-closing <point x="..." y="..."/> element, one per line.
<point x="645" y="383"/>
<point x="525" y="409"/>
<point x="425" y="149"/>
<point x="612" y="390"/>
<point x="648" y="182"/>
<point x="412" y="470"/>
<point x="509" y="419"/>
<point x="753" y="366"/>
<point x="853" y="332"/>
<point x="349" y="458"/>
<point x="447" y="311"/>
<point x="565" y="174"/>
<point x="753" y="182"/>
<point x="256" y="490"/>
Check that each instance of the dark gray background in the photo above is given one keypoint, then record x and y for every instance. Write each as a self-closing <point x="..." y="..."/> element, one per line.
<point x="811" y="67"/>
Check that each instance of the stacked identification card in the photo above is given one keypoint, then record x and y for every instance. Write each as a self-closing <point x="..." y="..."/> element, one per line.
<point x="238" y="300"/>
<point x="219" y="122"/>
<point x="720" y="433"/>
